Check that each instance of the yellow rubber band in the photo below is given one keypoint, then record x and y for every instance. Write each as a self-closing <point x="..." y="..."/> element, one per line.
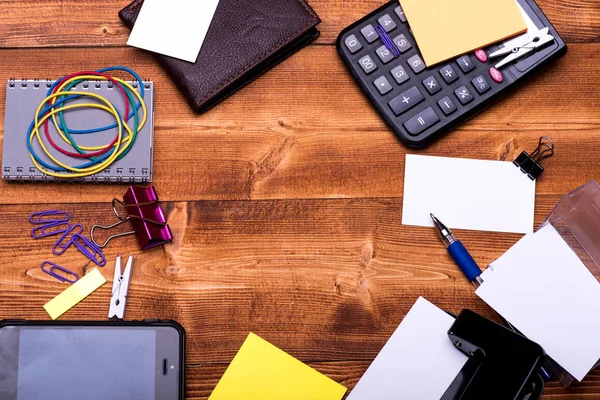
<point x="120" y="144"/>
<point x="80" y="171"/>
<point x="96" y="78"/>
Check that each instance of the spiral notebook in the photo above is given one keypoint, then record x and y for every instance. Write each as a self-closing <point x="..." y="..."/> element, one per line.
<point x="22" y="100"/>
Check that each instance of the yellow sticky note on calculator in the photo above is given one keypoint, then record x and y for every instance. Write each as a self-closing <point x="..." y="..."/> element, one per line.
<point x="445" y="29"/>
<point x="261" y="371"/>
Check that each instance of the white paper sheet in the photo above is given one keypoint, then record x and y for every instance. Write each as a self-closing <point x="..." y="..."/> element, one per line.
<point x="417" y="362"/>
<point x="174" y="28"/>
<point x="543" y="289"/>
<point x="468" y="194"/>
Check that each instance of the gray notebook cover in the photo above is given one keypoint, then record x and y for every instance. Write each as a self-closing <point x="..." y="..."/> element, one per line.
<point x="22" y="100"/>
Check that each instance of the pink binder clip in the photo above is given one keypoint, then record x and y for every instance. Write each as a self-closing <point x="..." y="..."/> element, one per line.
<point x="146" y="216"/>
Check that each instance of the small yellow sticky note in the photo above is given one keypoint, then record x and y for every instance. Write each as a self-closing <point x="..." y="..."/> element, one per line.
<point x="74" y="294"/>
<point x="445" y="29"/>
<point x="261" y="371"/>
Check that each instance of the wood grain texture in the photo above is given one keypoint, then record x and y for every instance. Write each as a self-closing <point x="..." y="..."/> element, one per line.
<point x="318" y="137"/>
<point x="285" y="200"/>
<point x="78" y="23"/>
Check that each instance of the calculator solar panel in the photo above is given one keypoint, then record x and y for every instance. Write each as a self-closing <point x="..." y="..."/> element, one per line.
<point x="421" y="104"/>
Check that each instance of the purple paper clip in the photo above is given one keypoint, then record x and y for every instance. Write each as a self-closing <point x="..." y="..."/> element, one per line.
<point x="61" y="245"/>
<point x="387" y="41"/>
<point x="51" y="229"/>
<point x="89" y="249"/>
<point x="55" y="216"/>
<point x="61" y="278"/>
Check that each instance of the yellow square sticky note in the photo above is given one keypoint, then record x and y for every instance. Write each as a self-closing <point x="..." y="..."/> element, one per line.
<point x="445" y="29"/>
<point x="261" y="371"/>
<point x="74" y="294"/>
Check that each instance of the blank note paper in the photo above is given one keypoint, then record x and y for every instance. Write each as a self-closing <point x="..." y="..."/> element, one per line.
<point x="468" y="194"/>
<point x="445" y="29"/>
<point x="261" y="371"/>
<point x="418" y="361"/>
<point x="543" y="289"/>
<point x="74" y="294"/>
<point x="174" y="28"/>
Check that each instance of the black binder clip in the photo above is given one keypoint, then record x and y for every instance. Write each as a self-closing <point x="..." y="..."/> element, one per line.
<point x="530" y="163"/>
<point x="502" y="365"/>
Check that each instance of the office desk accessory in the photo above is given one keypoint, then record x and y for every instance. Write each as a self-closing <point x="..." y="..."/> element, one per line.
<point x="50" y="268"/>
<point x="458" y="252"/>
<point x="49" y="216"/>
<point x="560" y="265"/>
<point x="74" y="294"/>
<point x="502" y="364"/>
<point x="118" y="300"/>
<point x="440" y="35"/>
<point x="467" y="194"/>
<point x="146" y="216"/>
<point x="82" y="109"/>
<point x="421" y="104"/>
<point x="245" y="40"/>
<point x="89" y="249"/>
<point x="162" y="28"/>
<point x="522" y="46"/>
<point x="50" y="229"/>
<point x="67" y="239"/>
<point x="417" y="362"/>
<point x="529" y="164"/>
<point x="261" y="371"/>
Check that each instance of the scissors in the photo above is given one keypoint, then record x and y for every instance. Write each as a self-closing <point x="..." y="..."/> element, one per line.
<point x="522" y="46"/>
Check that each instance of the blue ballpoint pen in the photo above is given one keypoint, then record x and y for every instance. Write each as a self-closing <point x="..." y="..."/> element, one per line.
<point x="469" y="267"/>
<point x="459" y="253"/>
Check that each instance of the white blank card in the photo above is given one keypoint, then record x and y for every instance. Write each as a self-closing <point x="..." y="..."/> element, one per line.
<point x="418" y="362"/>
<point x="542" y="288"/>
<point x="175" y="28"/>
<point x="468" y="194"/>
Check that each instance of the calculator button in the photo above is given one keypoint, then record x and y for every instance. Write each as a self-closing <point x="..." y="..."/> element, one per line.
<point x="400" y="13"/>
<point x="446" y="105"/>
<point x="402" y="43"/>
<point x="465" y="64"/>
<point x="367" y="64"/>
<point x="448" y="74"/>
<point x="431" y="85"/>
<point x="416" y="64"/>
<point x="369" y="33"/>
<point x="496" y="75"/>
<point x="406" y="101"/>
<point x="480" y="84"/>
<point x="387" y="22"/>
<point x="481" y="55"/>
<point x="423" y="120"/>
<point x="353" y="44"/>
<point x="400" y="75"/>
<point x="463" y="95"/>
<point x="384" y="54"/>
<point x="383" y="85"/>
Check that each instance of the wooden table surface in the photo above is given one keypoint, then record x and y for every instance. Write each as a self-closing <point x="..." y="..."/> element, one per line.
<point x="285" y="201"/>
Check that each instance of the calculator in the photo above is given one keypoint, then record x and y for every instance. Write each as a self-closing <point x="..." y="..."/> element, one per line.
<point x="419" y="103"/>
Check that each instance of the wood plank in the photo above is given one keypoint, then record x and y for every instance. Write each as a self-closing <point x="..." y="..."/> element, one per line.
<point x="318" y="137"/>
<point x="202" y="379"/>
<point x="61" y="23"/>
<point x="346" y="271"/>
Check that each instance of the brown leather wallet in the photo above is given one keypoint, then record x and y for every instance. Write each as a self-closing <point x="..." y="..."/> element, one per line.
<point x="245" y="39"/>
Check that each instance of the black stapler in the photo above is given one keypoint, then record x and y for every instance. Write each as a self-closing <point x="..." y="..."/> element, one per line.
<point x="502" y="365"/>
